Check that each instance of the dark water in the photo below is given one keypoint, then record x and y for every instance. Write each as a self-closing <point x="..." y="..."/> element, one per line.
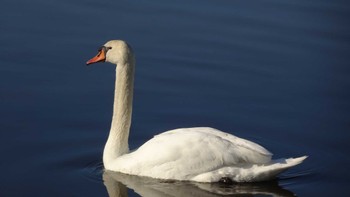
<point x="275" y="72"/>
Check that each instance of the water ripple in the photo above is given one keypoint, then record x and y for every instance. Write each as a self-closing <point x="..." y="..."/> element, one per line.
<point x="93" y="171"/>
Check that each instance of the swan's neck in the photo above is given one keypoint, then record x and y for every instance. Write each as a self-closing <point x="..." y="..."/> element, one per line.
<point x="117" y="143"/>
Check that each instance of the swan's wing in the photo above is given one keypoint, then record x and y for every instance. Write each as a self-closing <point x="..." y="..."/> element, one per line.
<point x="184" y="153"/>
<point x="242" y="143"/>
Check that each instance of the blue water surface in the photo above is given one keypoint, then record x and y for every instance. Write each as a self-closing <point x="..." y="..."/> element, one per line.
<point x="275" y="72"/>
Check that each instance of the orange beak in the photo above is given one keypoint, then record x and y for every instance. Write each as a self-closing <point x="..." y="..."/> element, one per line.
<point x="100" y="57"/>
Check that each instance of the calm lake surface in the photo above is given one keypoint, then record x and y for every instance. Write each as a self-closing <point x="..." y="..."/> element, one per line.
<point x="275" y="72"/>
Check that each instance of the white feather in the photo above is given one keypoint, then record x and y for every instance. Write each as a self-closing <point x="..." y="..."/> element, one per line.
<point x="199" y="154"/>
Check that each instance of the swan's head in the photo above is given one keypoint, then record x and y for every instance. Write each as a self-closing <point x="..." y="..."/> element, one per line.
<point x="114" y="51"/>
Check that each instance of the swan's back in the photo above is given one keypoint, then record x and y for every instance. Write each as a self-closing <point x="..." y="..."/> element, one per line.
<point x="244" y="151"/>
<point x="183" y="154"/>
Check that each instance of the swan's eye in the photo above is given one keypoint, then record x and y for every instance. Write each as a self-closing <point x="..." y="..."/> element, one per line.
<point x="107" y="49"/>
<point x="104" y="48"/>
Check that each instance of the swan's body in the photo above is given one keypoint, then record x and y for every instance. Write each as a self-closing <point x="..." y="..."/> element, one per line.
<point x="196" y="154"/>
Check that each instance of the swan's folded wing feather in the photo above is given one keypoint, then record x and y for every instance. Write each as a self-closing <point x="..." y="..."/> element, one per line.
<point x="236" y="140"/>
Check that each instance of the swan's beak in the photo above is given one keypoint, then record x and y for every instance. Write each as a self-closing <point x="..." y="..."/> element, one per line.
<point x="100" y="57"/>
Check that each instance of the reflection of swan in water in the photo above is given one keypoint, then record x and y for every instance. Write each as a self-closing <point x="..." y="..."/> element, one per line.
<point x="147" y="187"/>
<point x="194" y="154"/>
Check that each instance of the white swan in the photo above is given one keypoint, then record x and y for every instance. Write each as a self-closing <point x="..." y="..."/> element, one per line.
<point x="193" y="154"/>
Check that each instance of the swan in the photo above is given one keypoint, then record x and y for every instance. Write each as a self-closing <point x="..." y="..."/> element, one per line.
<point x="200" y="154"/>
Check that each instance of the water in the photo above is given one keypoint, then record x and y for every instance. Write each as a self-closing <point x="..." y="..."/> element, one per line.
<point x="275" y="72"/>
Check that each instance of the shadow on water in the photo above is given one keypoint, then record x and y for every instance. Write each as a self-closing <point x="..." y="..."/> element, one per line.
<point x="117" y="184"/>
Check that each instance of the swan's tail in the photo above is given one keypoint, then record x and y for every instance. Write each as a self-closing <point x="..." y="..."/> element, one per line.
<point x="250" y="172"/>
<point x="270" y="171"/>
<point x="287" y="163"/>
